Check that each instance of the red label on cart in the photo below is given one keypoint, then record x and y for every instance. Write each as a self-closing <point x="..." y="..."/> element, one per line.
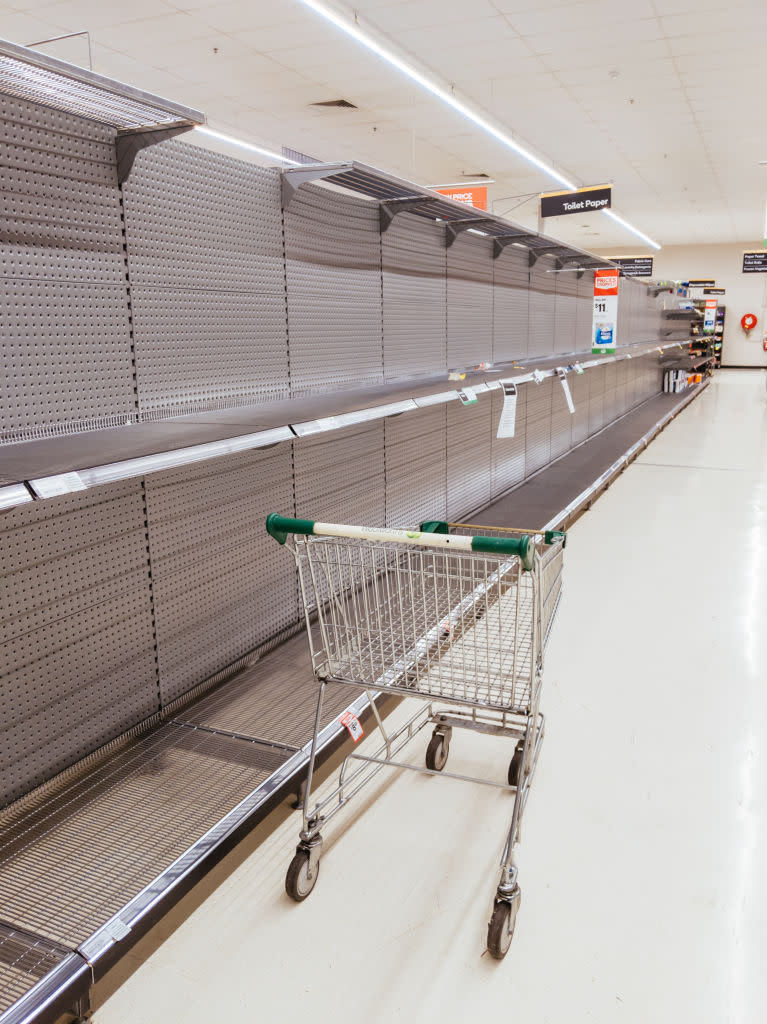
<point x="352" y="725"/>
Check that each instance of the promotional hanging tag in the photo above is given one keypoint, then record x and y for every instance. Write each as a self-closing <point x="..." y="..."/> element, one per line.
<point x="605" y="319"/>
<point x="507" y="422"/>
<point x="566" y="388"/>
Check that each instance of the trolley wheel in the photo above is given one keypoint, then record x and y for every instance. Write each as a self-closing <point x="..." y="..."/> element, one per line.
<point x="298" y="884"/>
<point x="437" y="751"/>
<point x="500" y="930"/>
<point x="515" y="765"/>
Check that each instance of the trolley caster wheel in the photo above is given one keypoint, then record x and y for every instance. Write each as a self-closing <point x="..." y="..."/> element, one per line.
<point x="515" y="765"/>
<point x="437" y="751"/>
<point x="500" y="930"/>
<point x="298" y="882"/>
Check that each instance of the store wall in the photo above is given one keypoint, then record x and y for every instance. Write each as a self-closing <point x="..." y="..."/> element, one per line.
<point x="746" y="293"/>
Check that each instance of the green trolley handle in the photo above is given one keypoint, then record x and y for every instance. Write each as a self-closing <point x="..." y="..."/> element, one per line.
<point x="523" y="547"/>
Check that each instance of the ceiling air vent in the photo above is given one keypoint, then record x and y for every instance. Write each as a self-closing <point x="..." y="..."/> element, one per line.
<point x="344" y="104"/>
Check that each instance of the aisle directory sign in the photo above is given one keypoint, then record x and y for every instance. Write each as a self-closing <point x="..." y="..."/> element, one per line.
<point x="605" y="319"/>
<point x="755" y="262"/>
<point x="634" y="266"/>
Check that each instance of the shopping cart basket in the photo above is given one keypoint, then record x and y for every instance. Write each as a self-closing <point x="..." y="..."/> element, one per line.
<point x="442" y="614"/>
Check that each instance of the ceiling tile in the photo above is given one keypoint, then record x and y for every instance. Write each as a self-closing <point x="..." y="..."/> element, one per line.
<point x="594" y="16"/>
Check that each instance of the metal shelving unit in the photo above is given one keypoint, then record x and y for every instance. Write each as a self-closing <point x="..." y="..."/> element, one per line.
<point x="133" y="489"/>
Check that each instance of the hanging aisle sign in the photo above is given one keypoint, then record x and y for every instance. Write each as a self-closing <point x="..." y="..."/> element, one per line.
<point x="605" y="320"/>
<point x="583" y="200"/>
<point x="634" y="266"/>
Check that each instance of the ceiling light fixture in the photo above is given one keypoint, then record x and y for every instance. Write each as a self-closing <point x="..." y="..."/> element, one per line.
<point x="630" y="227"/>
<point x="203" y="130"/>
<point x="352" y="29"/>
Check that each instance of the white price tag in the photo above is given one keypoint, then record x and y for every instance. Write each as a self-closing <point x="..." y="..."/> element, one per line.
<point x="507" y="422"/>
<point x="467" y="396"/>
<point x="53" y="486"/>
<point x="566" y="388"/>
<point x="352" y="725"/>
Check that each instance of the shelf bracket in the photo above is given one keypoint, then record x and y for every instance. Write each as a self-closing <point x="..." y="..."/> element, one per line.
<point x="547" y="250"/>
<point x="501" y="241"/>
<point x="294" y="177"/>
<point x="389" y="208"/>
<point x="129" y="144"/>
<point x="453" y="228"/>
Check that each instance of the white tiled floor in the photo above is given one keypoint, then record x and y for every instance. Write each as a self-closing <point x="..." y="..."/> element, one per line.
<point x="642" y="856"/>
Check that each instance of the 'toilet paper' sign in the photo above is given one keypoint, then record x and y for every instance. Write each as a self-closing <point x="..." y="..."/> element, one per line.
<point x="583" y="200"/>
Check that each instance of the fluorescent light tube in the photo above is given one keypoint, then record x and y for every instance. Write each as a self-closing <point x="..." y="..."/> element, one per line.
<point x="204" y="130"/>
<point x="351" y="29"/>
<point x="630" y="227"/>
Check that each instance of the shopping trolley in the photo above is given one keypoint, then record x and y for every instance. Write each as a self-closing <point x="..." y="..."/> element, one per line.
<point x="455" y="618"/>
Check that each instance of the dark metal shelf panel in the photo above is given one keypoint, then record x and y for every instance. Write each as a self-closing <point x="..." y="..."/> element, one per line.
<point x="538" y="501"/>
<point x="274" y="699"/>
<point x="174" y="442"/>
<point x="24" y="960"/>
<point x="75" y="853"/>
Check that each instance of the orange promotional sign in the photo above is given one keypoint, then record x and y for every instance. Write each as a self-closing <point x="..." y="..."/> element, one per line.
<point x="606" y="281"/>
<point x="605" y="319"/>
<point x="472" y="195"/>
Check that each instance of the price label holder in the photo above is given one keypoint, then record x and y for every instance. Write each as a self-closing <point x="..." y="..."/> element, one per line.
<point x="507" y="422"/>
<point x="562" y="374"/>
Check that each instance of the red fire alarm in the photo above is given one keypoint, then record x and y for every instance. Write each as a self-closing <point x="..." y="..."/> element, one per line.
<point x="748" y="322"/>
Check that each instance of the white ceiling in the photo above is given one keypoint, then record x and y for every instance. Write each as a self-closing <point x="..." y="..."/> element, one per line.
<point x="680" y="130"/>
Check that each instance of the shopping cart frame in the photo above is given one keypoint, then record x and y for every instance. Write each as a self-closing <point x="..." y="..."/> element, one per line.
<point x="515" y="554"/>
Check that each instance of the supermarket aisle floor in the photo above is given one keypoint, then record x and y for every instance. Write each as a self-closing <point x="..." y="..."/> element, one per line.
<point x="644" y="898"/>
